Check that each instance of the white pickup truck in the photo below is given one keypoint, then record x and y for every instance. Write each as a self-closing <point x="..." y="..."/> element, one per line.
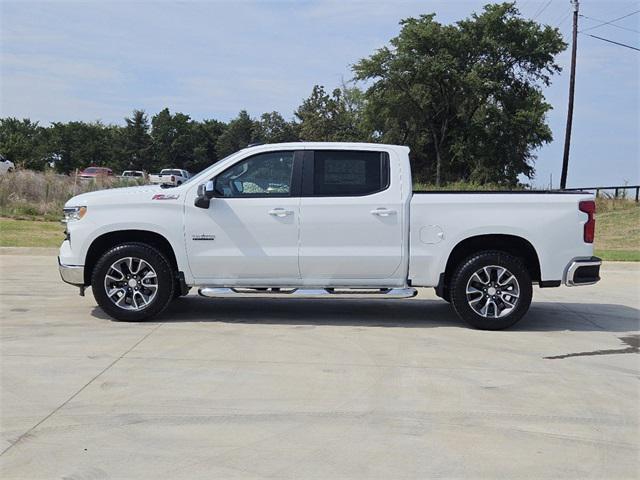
<point x="170" y="176"/>
<point x="325" y="220"/>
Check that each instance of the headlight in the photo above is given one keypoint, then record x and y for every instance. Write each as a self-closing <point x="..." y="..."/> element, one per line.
<point x="72" y="214"/>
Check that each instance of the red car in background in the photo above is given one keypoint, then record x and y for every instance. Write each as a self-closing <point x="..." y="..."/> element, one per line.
<point x="95" y="172"/>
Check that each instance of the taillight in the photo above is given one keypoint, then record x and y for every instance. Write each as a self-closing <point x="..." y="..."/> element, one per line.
<point x="589" y="207"/>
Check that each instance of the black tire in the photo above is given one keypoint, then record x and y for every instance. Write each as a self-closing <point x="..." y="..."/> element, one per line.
<point x="461" y="302"/>
<point x="164" y="278"/>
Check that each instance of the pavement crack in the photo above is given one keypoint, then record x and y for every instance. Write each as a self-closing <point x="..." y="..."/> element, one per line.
<point x="59" y="407"/>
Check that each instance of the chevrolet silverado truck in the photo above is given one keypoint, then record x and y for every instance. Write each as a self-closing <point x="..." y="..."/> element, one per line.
<point x="325" y="220"/>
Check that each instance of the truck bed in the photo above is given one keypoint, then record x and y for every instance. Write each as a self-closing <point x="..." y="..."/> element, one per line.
<point x="550" y="221"/>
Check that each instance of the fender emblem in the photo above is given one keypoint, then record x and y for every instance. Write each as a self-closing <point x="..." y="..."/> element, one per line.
<point x="203" y="236"/>
<point x="165" y="196"/>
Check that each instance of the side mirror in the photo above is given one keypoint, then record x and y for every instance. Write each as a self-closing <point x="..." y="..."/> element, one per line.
<point x="206" y="191"/>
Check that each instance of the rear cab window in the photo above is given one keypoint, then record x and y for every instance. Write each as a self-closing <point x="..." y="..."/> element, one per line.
<point x="337" y="173"/>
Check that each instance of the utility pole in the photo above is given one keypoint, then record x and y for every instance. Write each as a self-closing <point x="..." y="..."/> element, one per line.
<point x="572" y="83"/>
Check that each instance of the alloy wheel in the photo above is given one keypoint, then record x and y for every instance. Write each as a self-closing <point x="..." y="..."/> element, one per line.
<point x="493" y="292"/>
<point x="131" y="283"/>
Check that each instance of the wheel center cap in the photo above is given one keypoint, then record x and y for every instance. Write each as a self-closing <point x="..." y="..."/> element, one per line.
<point x="491" y="291"/>
<point x="133" y="282"/>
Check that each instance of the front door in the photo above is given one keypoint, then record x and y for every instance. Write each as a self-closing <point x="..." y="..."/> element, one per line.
<point x="249" y="233"/>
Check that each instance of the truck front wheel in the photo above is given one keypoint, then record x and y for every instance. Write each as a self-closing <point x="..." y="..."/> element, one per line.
<point x="133" y="282"/>
<point x="491" y="290"/>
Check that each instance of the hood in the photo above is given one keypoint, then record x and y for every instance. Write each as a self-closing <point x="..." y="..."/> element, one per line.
<point x="117" y="195"/>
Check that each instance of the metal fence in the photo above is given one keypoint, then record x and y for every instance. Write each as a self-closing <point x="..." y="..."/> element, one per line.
<point x="616" y="189"/>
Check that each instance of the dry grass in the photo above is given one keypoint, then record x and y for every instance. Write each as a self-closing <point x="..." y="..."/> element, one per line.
<point x="462" y="186"/>
<point x="29" y="195"/>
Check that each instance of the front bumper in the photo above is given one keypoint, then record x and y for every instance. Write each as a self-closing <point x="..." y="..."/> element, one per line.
<point x="583" y="271"/>
<point x="72" y="274"/>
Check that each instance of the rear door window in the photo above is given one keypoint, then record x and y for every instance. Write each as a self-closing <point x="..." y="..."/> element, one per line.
<point x="349" y="173"/>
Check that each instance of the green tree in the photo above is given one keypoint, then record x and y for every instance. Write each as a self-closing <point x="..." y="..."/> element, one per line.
<point x="23" y="142"/>
<point x="173" y="140"/>
<point x="78" y="145"/>
<point x="466" y="97"/>
<point x="136" y="146"/>
<point x="206" y="134"/>
<point x="273" y="128"/>
<point x="238" y="134"/>
<point x="335" y="117"/>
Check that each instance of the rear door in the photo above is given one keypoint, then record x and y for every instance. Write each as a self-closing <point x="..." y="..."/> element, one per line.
<point x="350" y="217"/>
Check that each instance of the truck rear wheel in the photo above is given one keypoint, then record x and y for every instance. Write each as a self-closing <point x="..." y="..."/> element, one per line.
<point x="491" y="290"/>
<point x="133" y="282"/>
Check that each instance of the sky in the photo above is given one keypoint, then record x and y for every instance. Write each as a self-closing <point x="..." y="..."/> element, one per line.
<point x="99" y="60"/>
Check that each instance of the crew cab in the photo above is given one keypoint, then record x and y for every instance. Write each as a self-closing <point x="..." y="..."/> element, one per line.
<point x="170" y="176"/>
<point x="325" y="220"/>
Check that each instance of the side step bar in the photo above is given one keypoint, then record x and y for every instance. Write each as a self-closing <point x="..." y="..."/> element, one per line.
<point x="216" y="292"/>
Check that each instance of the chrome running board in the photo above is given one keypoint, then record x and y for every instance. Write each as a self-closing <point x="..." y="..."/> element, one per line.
<point x="350" y="293"/>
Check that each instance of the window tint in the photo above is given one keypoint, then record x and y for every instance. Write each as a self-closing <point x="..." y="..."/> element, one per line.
<point x="338" y="173"/>
<point x="264" y="175"/>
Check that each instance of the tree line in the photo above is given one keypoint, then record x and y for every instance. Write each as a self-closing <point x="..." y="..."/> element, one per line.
<point x="466" y="97"/>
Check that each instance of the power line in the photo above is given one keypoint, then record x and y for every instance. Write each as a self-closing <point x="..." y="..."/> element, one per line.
<point x="610" y="24"/>
<point x="561" y="19"/>
<point x="611" y="21"/>
<point x="539" y="12"/>
<point x="611" y="41"/>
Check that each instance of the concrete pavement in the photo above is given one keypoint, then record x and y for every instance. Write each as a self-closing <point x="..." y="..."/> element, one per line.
<point x="251" y="388"/>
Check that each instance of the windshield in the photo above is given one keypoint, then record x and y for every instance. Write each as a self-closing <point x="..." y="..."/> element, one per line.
<point x="215" y="163"/>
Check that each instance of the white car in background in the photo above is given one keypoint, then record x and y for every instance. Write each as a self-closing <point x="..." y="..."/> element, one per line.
<point x="170" y="176"/>
<point x="133" y="175"/>
<point x="6" y="165"/>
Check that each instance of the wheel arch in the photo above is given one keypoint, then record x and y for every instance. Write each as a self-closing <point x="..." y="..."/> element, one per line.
<point x="109" y="240"/>
<point x="512" y="244"/>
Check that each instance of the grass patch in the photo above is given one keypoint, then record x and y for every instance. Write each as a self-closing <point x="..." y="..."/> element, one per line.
<point x="618" y="230"/>
<point x="619" y="255"/>
<point x="23" y="233"/>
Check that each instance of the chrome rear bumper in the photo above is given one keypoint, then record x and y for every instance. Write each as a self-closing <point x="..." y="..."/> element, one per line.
<point x="72" y="274"/>
<point x="583" y="271"/>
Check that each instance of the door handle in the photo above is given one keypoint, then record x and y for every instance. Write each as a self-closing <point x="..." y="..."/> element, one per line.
<point x="280" y="212"/>
<point x="383" y="212"/>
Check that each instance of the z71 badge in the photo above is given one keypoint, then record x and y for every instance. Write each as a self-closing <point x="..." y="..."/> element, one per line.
<point x="165" y="196"/>
<point x="203" y="236"/>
